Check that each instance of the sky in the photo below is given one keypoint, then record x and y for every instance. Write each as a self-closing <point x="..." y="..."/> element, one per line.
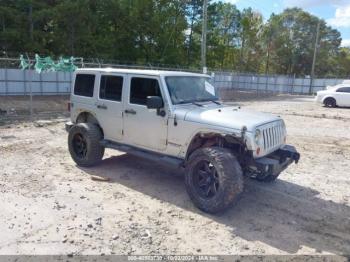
<point x="335" y="12"/>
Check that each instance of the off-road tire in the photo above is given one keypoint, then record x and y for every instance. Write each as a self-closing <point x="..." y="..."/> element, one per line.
<point x="94" y="151"/>
<point x="267" y="179"/>
<point x="330" y="102"/>
<point x="230" y="179"/>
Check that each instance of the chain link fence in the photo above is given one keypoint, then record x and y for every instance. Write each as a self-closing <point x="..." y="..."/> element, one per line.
<point x="14" y="81"/>
<point x="276" y="84"/>
<point x="27" y="94"/>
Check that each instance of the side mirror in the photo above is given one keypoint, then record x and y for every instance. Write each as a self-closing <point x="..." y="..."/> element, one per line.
<point x="154" y="102"/>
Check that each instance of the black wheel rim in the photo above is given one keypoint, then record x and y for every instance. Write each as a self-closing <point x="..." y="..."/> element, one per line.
<point x="330" y="103"/>
<point x="205" y="179"/>
<point x="79" y="146"/>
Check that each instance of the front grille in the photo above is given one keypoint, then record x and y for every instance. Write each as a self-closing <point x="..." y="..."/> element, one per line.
<point x="273" y="135"/>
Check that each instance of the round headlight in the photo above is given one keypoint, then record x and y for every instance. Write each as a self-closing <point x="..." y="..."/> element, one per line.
<point x="257" y="136"/>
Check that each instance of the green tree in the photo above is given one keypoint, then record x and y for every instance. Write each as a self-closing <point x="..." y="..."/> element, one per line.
<point x="341" y="63"/>
<point x="251" y="29"/>
<point x="194" y="12"/>
<point x="169" y="32"/>
<point x="291" y="46"/>
<point x="223" y="33"/>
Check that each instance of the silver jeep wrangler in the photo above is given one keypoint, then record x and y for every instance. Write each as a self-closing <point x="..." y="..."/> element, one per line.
<point x="176" y="118"/>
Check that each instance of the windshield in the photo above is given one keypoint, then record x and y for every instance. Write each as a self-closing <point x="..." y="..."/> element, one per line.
<point x="188" y="89"/>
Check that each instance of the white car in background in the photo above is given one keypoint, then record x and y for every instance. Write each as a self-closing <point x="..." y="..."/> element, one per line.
<point x="333" y="96"/>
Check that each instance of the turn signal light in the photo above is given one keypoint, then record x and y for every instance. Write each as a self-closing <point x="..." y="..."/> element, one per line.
<point x="258" y="151"/>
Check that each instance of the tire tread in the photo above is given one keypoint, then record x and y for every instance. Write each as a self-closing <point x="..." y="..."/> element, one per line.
<point x="231" y="178"/>
<point x="93" y="135"/>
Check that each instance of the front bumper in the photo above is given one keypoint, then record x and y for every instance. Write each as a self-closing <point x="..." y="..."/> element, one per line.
<point x="276" y="162"/>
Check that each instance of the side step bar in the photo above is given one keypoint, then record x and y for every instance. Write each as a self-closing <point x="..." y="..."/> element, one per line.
<point x="169" y="160"/>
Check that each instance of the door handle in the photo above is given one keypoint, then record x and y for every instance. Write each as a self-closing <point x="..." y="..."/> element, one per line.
<point x="102" y="107"/>
<point x="130" y="111"/>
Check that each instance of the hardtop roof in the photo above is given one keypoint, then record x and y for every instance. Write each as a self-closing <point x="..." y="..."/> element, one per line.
<point x="140" y="72"/>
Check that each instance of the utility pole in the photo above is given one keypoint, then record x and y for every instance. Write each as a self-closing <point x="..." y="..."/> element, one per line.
<point x="204" y="37"/>
<point x="268" y="55"/>
<point x="314" y="58"/>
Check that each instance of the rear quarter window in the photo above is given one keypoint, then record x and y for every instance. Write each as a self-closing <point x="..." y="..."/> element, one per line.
<point x="344" y="90"/>
<point x="84" y="85"/>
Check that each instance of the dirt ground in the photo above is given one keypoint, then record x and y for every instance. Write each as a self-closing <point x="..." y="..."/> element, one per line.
<point x="51" y="206"/>
<point x="17" y="108"/>
<point x="57" y="103"/>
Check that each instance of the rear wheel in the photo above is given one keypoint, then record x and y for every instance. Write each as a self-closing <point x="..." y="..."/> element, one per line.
<point x="213" y="179"/>
<point x="84" y="144"/>
<point x="330" y="102"/>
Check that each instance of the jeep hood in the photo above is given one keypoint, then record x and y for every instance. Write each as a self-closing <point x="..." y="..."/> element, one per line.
<point x="225" y="116"/>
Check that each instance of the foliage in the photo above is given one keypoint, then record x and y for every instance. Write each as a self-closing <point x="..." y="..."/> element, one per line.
<point x="169" y="32"/>
<point x="292" y="40"/>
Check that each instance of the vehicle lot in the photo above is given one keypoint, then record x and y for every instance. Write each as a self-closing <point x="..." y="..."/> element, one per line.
<point x="51" y="206"/>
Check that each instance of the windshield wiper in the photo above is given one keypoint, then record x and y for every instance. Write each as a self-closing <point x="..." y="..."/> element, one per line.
<point x="210" y="100"/>
<point x="190" y="102"/>
<point x="215" y="102"/>
<point x="195" y="103"/>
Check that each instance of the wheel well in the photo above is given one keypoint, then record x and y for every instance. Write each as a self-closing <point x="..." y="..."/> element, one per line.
<point x="235" y="144"/>
<point x="86" y="117"/>
<point x="329" y="98"/>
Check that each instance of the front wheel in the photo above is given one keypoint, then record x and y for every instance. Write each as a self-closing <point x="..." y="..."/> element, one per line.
<point x="330" y="102"/>
<point x="213" y="179"/>
<point x="84" y="144"/>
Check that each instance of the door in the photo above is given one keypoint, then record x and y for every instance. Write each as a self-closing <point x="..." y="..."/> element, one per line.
<point x="109" y="105"/>
<point x="144" y="127"/>
<point x="343" y="96"/>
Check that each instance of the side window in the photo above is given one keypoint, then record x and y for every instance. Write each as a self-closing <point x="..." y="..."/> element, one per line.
<point x="140" y="88"/>
<point x="111" y="88"/>
<point x="344" y="90"/>
<point x="84" y="85"/>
